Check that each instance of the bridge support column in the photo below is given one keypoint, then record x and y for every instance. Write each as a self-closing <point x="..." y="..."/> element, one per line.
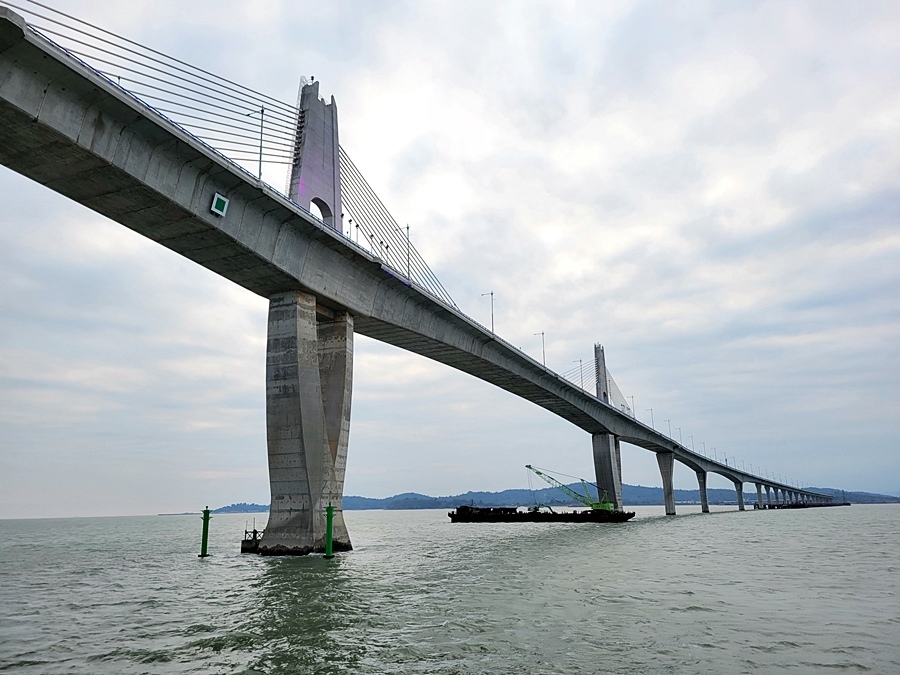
<point x="309" y="373"/>
<point x="768" y="495"/>
<point x="704" y="500"/>
<point x="739" y="488"/>
<point x="666" y="461"/>
<point x="608" y="467"/>
<point x="759" y="498"/>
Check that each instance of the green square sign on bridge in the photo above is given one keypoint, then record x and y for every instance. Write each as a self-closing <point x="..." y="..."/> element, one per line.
<point x="219" y="205"/>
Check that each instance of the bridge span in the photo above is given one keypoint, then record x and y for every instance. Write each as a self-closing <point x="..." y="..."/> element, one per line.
<point x="72" y="129"/>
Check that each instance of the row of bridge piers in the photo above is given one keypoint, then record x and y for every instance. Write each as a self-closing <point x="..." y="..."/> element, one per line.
<point x="608" y="470"/>
<point x="608" y="467"/>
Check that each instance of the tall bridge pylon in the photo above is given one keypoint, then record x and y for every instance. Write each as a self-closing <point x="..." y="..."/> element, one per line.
<point x="309" y="365"/>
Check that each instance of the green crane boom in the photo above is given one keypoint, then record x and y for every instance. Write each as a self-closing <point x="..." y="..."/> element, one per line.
<point x="582" y="498"/>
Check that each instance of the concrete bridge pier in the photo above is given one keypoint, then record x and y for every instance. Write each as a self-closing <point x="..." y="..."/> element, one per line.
<point x="768" y="495"/>
<point x="739" y="488"/>
<point x="309" y="374"/>
<point x="704" y="500"/>
<point x="608" y="467"/>
<point x="759" y="497"/>
<point x="666" y="461"/>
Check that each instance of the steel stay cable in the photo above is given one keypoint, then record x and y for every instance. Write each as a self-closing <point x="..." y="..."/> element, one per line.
<point x="193" y="125"/>
<point x="266" y="146"/>
<point x="431" y="280"/>
<point x="152" y="77"/>
<point x="383" y="229"/>
<point x="416" y="274"/>
<point x="280" y="124"/>
<point x="44" y="29"/>
<point x="254" y="160"/>
<point x="286" y="133"/>
<point x="273" y="139"/>
<point x="196" y="86"/>
<point x="265" y="154"/>
<point x="239" y="112"/>
<point x="421" y="275"/>
<point x="383" y="232"/>
<point x="149" y="49"/>
<point x="205" y="119"/>
<point x="276" y="135"/>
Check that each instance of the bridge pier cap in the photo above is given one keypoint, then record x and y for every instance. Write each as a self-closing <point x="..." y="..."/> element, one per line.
<point x="315" y="173"/>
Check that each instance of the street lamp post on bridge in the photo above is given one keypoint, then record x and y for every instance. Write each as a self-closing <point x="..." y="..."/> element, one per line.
<point x="580" y="370"/>
<point x="491" y="293"/>
<point x="543" y="350"/>
<point x="262" y="116"/>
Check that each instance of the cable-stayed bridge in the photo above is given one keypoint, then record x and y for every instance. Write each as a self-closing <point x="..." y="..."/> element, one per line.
<point x="169" y="151"/>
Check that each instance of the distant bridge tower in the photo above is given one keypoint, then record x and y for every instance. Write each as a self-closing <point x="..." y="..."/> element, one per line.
<point x="309" y="366"/>
<point x="607" y="450"/>
<point x="315" y="173"/>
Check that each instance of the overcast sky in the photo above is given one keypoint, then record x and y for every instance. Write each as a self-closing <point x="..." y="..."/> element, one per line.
<point x="709" y="189"/>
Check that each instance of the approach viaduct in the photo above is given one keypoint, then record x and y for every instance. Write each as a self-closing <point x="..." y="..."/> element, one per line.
<point x="69" y="128"/>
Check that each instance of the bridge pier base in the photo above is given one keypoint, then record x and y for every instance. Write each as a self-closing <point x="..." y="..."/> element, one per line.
<point x="739" y="488"/>
<point x="704" y="499"/>
<point x="666" y="461"/>
<point x="309" y="374"/>
<point x="608" y="467"/>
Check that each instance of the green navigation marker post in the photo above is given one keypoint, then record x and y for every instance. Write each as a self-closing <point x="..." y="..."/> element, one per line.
<point x="329" y="530"/>
<point x="205" y="540"/>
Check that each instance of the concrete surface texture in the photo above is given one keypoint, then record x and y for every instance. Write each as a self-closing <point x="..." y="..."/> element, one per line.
<point x="315" y="175"/>
<point x="308" y="420"/>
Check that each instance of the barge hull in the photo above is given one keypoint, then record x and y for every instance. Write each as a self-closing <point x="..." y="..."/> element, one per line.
<point x="474" y="514"/>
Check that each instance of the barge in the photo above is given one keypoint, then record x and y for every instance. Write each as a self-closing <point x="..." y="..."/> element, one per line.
<point x="477" y="514"/>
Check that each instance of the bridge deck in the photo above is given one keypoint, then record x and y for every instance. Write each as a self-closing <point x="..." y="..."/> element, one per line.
<point x="69" y="128"/>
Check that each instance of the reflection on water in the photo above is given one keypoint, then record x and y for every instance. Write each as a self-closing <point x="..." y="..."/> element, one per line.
<point x="800" y="591"/>
<point x="307" y="613"/>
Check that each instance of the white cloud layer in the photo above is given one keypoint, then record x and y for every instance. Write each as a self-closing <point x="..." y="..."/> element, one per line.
<point x="711" y="190"/>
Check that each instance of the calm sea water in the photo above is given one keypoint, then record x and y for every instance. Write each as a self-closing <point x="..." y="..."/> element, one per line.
<point x="805" y="591"/>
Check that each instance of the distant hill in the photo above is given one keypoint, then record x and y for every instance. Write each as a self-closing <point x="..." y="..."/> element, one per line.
<point x="632" y="495"/>
<point x="243" y="507"/>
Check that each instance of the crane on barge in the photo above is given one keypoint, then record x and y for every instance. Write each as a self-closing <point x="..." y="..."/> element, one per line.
<point x="586" y="499"/>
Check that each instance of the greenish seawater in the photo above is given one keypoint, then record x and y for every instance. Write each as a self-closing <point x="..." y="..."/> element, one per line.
<point x="806" y="591"/>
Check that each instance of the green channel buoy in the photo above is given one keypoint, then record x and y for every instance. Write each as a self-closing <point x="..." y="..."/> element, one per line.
<point x="205" y="517"/>
<point x="329" y="530"/>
